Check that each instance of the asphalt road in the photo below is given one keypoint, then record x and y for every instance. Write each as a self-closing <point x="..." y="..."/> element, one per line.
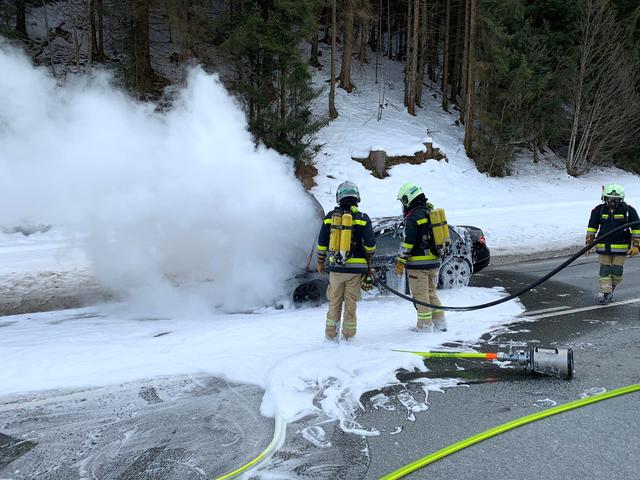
<point x="201" y="427"/>
<point x="594" y="442"/>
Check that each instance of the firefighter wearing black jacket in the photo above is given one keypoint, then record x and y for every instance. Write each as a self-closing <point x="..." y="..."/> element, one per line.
<point x="419" y="255"/>
<point x="612" y="213"/>
<point x="346" y="276"/>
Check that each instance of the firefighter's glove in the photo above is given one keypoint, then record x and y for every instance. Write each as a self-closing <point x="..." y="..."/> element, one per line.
<point x="367" y="282"/>
<point x="633" y="251"/>
<point x="320" y="264"/>
<point x="399" y="269"/>
<point x="588" y="240"/>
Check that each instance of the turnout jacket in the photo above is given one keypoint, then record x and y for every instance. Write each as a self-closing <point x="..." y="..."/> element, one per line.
<point x="417" y="250"/>
<point x="363" y="242"/>
<point x="604" y="220"/>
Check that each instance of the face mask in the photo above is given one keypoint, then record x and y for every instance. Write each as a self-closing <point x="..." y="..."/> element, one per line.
<point x="613" y="203"/>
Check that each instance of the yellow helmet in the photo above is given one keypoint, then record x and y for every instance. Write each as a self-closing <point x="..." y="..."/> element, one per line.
<point x="408" y="192"/>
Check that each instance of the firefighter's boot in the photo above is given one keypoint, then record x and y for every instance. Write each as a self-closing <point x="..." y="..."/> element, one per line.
<point x="348" y="330"/>
<point x="331" y="330"/>
<point x="605" y="298"/>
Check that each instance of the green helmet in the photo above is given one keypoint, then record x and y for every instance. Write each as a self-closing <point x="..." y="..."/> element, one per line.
<point x="408" y="192"/>
<point x="613" y="190"/>
<point x="347" y="189"/>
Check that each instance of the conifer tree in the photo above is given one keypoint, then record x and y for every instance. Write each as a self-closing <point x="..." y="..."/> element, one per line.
<point x="270" y="75"/>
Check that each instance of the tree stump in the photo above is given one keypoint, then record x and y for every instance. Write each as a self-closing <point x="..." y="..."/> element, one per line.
<point x="378" y="162"/>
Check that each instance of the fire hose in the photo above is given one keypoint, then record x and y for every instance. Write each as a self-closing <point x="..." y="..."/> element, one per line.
<point x="506" y="427"/>
<point x="377" y="280"/>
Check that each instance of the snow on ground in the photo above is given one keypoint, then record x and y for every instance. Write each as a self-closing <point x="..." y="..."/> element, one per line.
<point x="52" y="250"/>
<point x="540" y="208"/>
<point x="282" y="351"/>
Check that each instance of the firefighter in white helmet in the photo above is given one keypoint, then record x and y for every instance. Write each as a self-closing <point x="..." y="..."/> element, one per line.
<point x="613" y="212"/>
<point x="419" y="255"/>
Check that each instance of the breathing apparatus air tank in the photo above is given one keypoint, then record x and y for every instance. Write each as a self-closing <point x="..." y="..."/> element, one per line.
<point x="340" y="237"/>
<point x="439" y="226"/>
<point x="345" y="236"/>
<point x="334" y="236"/>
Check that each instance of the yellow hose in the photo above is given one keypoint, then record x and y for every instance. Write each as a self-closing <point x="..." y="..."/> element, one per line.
<point x="276" y="442"/>
<point x="490" y="356"/>
<point x="401" y="472"/>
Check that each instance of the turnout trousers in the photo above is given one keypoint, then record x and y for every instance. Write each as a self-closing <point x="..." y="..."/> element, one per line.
<point x="422" y="284"/>
<point x="344" y="288"/>
<point x="611" y="272"/>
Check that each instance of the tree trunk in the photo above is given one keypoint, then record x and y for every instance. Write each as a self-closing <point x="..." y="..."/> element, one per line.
<point x="389" y="32"/>
<point x="313" y="58"/>
<point x="100" y="10"/>
<point x="364" y="38"/>
<point x="457" y="58"/>
<point x="407" y="63"/>
<point x="333" y="113"/>
<point x="465" y="61"/>
<point x="470" y="83"/>
<point x="93" y="41"/>
<point x="345" y="69"/>
<point x="434" y="16"/>
<point x="21" y="18"/>
<point x="403" y="33"/>
<point x="326" y="26"/>
<point x="283" y="95"/>
<point x="46" y="26"/>
<point x="422" y="54"/>
<point x="143" y="74"/>
<point x="414" y="57"/>
<point x="445" y="58"/>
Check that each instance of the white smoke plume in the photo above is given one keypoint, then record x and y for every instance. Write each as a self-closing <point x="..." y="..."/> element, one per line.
<point x="163" y="199"/>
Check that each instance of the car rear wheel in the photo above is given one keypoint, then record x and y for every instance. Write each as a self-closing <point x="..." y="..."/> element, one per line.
<point x="310" y="293"/>
<point x="455" y="273"/>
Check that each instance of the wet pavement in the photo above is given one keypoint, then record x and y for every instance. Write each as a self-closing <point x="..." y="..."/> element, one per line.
<point x="596" y="441"/>
<point x="175" y="428"/>
<point x="202" y="427"/>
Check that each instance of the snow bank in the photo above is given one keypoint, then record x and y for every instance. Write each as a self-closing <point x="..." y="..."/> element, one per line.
<point x="177" y="209"/>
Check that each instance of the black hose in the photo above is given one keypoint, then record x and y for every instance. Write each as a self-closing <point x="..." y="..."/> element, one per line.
<point x="520" y="292"/>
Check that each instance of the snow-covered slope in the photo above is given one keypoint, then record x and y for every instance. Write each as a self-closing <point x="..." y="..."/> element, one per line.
<point x="539" y="208"/>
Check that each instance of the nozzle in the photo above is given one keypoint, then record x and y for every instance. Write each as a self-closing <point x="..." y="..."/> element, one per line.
<point x="555" y="362"/>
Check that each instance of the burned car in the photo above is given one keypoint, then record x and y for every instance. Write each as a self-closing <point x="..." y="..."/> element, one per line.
<point x="467" y="254"/>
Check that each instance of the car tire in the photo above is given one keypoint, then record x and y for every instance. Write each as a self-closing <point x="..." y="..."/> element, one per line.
<point x="455" y="272"/>
<point x="310" y="293"/>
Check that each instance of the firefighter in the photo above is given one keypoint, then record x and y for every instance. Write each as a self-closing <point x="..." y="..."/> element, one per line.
<point x="419" y="255"/>
<point x="349" y="269"/>
<point x="611" y="213"/>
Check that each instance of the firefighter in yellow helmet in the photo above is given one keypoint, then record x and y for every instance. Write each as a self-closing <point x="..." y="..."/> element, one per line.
<point x="349" y="268"/>
<point x="419" y="255"/>
<point x="613" y="212"/>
